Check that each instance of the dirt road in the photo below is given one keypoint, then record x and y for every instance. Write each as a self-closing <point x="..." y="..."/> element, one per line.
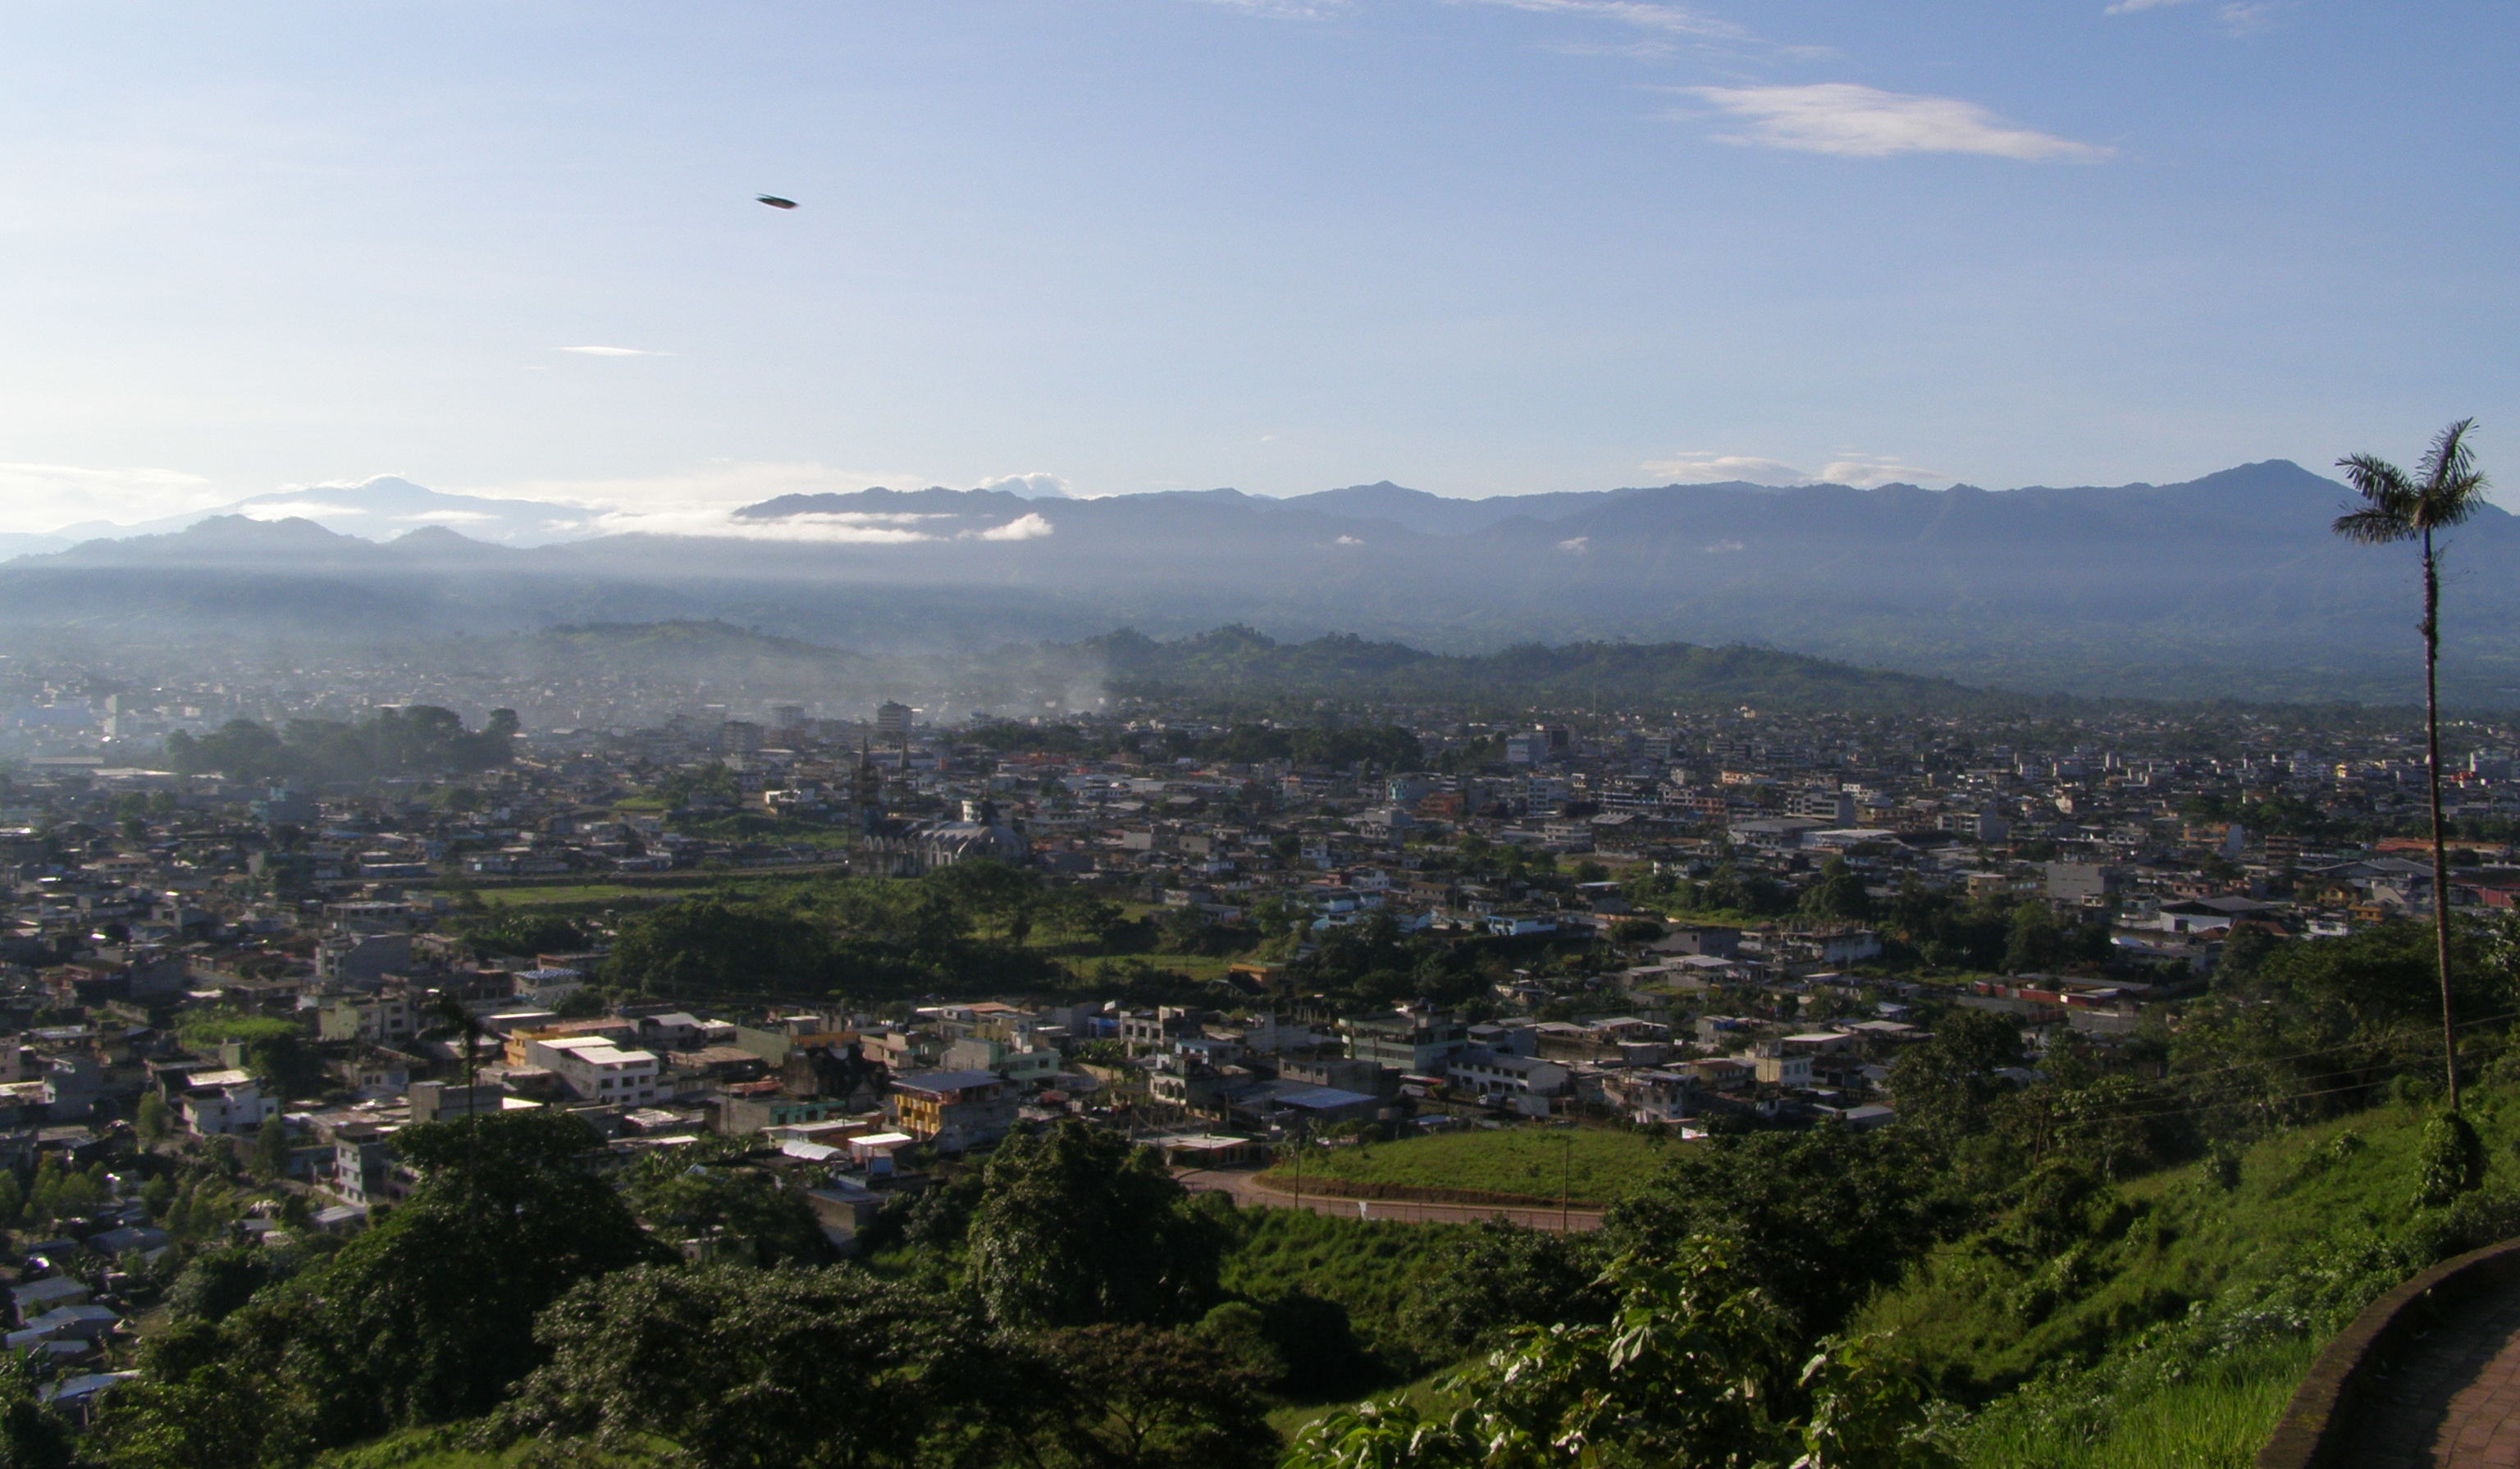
<point x="1248" y="1193"/>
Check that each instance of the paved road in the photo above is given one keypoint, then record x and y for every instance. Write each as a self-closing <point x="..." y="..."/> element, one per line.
<point x="2453" y="1402"/>
<point x="1244" y="1186"/>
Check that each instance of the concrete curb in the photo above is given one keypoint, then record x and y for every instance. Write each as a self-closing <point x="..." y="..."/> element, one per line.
<point x="2314" y="1426"/>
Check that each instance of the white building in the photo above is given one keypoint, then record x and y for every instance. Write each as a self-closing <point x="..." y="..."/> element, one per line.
<point x="222" y="1102"/>
<point x="593" y="1069"/>
<point x="1490" y="1074"/>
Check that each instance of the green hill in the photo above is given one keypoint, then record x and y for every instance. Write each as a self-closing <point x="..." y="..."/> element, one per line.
<point x="2167" y="1320"/>
<point x="1241" y="664"/>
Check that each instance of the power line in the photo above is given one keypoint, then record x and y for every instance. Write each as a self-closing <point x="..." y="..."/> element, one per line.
<point x="2237" y="1101"/>
<point x="2325" y="1049"/>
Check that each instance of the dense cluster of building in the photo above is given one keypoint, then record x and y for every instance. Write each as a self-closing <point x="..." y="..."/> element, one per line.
<point x="148" y="911"/>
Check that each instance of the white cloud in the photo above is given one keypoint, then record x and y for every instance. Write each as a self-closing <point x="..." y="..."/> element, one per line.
<point x="1576" y="545"/>
<point x="1028" y="527"/>
<point x="1859" y="470"/>
<point x="1033" y="486"/>
<point x="2243" y="18"/>
<point x="2238" y="17"/>
<point x="1347" y="541"/>
<point x="715" y="521"/>
<point x="612" y="351"/>
<point x="38" y="497"/>
<point x="1710" y="469"/>
<point x="1868" y="472"/>
<point x="448" y="518"/>
<point x="1669" y="20"/>
<point x="1864" y="122"/>
<point x="283" y="510"/>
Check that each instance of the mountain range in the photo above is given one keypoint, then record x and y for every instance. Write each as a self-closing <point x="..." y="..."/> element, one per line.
<point x="2230" y="585"/>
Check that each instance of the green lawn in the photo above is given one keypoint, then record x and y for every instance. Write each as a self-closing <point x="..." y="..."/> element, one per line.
<point x="1593" y="1166"/>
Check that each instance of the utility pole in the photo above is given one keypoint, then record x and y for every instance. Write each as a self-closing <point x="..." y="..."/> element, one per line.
<point x="1565" y="1183"/>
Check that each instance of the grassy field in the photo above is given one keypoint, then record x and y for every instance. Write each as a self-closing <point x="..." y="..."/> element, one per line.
<point x="655" y="888"/>
<point x="2216" y="1419"/>
<point x="1595" y="1167"/>
<point x="556" y="894"/>
<point x="1424" y="1395"/>
<point x="1199" y="967"/>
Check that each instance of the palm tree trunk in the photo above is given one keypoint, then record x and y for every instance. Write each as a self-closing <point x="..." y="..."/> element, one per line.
<point x="2432" y="778"/>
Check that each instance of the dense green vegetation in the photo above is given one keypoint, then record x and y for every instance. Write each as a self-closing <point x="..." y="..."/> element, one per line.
<point x="1239" y="664"/>
<point x="419" y="740"/>
<point x="970" y="925"/>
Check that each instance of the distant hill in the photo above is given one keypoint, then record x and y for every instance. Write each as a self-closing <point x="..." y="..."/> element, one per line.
<point x="375" y="509"/>
<point x="1240" y="663"/>
<point x="2226" y="586"/>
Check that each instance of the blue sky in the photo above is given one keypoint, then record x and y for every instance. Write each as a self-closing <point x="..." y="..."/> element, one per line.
<point x="1479" y="246"/>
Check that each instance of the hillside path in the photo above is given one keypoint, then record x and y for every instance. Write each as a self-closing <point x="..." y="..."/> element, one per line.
<point x="2453" y="1402"/>
<point x="1247" y="1192"/>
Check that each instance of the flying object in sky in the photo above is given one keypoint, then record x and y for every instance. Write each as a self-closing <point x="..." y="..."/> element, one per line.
<point x="775" y="202"/>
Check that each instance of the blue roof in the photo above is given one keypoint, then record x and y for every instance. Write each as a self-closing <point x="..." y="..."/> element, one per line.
<point x="1316" y="1098"/>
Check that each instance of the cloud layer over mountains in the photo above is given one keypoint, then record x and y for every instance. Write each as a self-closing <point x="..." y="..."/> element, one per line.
<point x="2226" y="585"/>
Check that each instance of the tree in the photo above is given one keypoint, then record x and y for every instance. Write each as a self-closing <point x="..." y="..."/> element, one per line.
<point x="1077" y="1226"/>
<point x="2446" y="489"/>
<point x="1815" y="1220"/>
<point x="1942" y="1084"/>
<point x="271" y="1149"/>
<point x="206" y="1399"/>
<point x="1138" y="1398"/>
<point x="1838" y="897"/>
<point x="2450" y="1162"/>
<point x="705" y="1200"/>
<point x="744" y="1369"/>
<point x="32" y="1437"/>
<point x="220" y="1281"/>
<point x="150" y="1119"/>
<point x="427" y="1317"/>
<point x="1697" y="1366"/>
<point x="1504" y="1276"/>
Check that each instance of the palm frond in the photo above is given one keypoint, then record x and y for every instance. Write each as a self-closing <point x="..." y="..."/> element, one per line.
<point x="2452" y="486"/>
<point x="2374" y="526"/>
<point x="2374" y="479"/>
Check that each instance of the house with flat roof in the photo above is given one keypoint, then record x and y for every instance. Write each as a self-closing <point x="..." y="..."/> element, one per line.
<point x="953" y="1109"/>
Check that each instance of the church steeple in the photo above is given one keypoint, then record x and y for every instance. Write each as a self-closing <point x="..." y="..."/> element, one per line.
<point x="869" y="795"/>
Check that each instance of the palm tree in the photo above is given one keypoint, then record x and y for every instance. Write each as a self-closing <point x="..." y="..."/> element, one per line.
<point x="455" y="1020"/>
<point x="2445" y="490"/>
